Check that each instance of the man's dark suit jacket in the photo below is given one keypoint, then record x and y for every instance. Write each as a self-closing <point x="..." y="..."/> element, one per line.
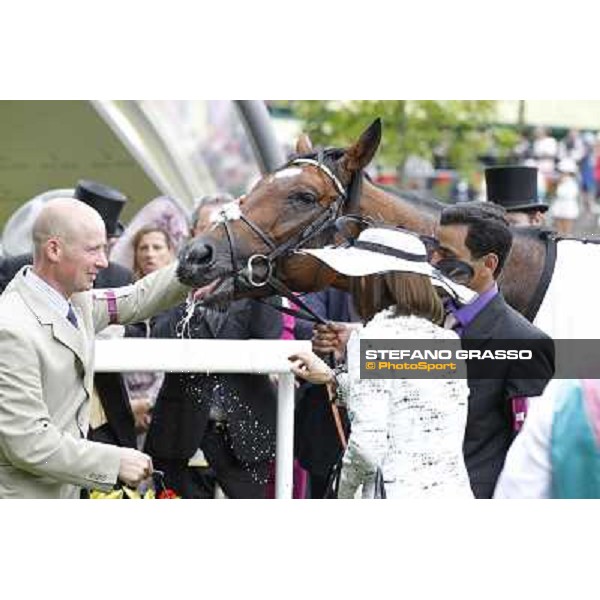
<point x="120" y="427"/>
<point x="490" y="430"/>
<point x="181" y="413"/>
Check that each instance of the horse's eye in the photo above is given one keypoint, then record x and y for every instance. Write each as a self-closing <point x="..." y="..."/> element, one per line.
<point x="306" y="197"/>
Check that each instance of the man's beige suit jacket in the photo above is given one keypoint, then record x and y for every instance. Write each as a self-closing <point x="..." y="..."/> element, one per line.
<point x="46" y="382"/>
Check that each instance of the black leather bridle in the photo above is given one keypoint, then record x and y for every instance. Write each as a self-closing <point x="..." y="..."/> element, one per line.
<point x="259" y="269"/>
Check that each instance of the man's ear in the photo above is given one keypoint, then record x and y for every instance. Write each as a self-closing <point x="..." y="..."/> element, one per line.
<point x="491" y="261"/>
<point x="537" y="219"/>
<point x="53" y="250"/>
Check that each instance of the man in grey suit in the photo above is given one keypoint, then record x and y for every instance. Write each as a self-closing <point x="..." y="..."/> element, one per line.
<point x="49" y="316"/>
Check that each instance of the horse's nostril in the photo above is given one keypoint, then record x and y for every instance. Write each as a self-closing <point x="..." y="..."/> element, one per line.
<point x="201" y="253"/>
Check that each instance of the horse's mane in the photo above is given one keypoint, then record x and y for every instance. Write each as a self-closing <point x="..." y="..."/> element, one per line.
<point x="418" y="198"/>
<point x="533" y="233"/>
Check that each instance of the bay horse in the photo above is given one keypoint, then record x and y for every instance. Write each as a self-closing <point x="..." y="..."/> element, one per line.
<point x="253" y="248"/>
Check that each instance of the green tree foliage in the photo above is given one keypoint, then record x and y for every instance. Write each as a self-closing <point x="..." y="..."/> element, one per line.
<point x="464" y="128"/>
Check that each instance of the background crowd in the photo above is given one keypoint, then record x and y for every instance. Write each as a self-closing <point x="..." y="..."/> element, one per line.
<point x="568" y="175"/>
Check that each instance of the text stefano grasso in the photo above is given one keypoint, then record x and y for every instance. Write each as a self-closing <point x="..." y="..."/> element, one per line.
<point x="497" y="354"/>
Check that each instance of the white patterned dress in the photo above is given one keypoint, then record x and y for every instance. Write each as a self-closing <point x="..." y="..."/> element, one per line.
<point x="412" y="428"/>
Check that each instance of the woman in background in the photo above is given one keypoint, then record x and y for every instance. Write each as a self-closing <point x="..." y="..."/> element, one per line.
<point x="565" y="207"/>
<point x="152" y="250"/>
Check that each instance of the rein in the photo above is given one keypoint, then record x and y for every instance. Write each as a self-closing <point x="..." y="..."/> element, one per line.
<point x="550" y="238"/>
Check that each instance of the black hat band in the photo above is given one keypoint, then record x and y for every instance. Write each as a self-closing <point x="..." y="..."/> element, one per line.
<point x="381" y="249"/>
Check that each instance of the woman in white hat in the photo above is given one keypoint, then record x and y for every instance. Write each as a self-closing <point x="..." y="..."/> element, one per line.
<point x="409" y="430"/>
<point x="565" y="207"/>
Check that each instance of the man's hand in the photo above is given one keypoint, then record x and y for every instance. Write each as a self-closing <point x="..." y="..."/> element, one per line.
<point x="332" y="337"/>
<point x="142" y="409"/>
<point x="310" y="367"/>
<point x="135" y="466"/>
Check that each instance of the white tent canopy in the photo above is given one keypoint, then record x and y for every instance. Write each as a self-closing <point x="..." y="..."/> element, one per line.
<point x="580" y="114"/>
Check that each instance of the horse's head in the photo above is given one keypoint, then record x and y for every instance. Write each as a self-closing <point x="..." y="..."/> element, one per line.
<point x="251" y="246"/>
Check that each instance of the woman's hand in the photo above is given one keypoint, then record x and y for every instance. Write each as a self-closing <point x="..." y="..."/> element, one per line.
<point x="310" y="367"/>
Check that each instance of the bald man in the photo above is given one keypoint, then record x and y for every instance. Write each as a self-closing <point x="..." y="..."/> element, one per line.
<point x="49" y="316"/>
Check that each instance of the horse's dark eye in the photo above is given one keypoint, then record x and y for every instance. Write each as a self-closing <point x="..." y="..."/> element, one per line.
<point x="306" y="197"/>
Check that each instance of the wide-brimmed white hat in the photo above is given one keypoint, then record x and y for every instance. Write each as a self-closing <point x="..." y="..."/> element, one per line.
<point x="161" y="212"/>
<point x="381" y="250"/>
<point x="17" y="235"/>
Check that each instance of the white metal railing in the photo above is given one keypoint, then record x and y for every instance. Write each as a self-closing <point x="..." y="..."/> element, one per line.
<point x="218" y="356"/>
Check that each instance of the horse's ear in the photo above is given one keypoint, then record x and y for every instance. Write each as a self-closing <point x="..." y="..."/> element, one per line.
<point x="360" y="154"/>
<point x="304" y="145"/>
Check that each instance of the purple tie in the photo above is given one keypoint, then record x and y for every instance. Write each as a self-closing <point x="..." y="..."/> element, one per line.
<point x="72" y="318"/>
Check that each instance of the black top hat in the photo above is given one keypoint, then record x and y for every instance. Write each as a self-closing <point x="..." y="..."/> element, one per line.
<point x="514" y="188"/>
<point x="107" y="201"/>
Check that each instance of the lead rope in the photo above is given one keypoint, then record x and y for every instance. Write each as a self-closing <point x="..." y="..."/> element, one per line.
<point x="282" y="289"/>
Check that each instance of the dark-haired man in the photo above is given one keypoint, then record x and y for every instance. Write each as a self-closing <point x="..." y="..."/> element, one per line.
<point x="477" y="234"/>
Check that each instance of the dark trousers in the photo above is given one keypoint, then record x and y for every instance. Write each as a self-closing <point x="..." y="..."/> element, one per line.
<point x="317" y="443"/>
<point x="238" y="480"/>
<point x="317" y="486"/>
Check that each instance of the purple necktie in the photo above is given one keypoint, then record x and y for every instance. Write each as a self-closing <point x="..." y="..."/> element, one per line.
<point x="72" y="317"/>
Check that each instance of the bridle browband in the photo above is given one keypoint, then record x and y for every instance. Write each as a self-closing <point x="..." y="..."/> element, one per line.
<point x="322" y="167"/>
<point x="259" y="268"/>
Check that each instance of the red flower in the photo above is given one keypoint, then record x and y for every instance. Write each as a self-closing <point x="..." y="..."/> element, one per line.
<point x="167" y="494"/>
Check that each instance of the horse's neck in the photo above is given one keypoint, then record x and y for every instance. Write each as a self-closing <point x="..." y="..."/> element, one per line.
<point x="385" y="207"/>
<point x="523" y="270"/>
